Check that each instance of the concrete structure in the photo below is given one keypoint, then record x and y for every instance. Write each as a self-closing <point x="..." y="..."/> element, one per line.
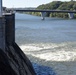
<point x="43" y="14"/>
<point x="2" y="28"/>
<point x="0" y="8"/>
<point x="7" y="30"/>
<point x="12" y="60"/>
<point x="2" y="33"/>
<point x="71" y="13"/>
<point x="17" y="60"/>
<point x="10" y="53"/>
<point x="10" y="28"/>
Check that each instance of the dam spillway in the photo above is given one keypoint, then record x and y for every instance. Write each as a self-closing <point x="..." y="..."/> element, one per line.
<point x="13" y="60"/>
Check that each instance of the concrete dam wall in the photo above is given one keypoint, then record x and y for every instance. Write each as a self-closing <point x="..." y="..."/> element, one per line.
<point x="12" y="60"/>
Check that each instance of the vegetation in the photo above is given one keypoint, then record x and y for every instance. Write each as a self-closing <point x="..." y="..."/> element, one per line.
<point x="57" y="5"/>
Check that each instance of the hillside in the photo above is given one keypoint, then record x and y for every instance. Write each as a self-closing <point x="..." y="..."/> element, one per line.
<point x="57" y="5"/>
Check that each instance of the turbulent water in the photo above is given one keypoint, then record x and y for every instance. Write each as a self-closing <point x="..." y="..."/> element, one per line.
<point x="52" y="40"/>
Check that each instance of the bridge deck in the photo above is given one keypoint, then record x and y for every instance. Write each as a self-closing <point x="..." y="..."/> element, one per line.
<point x="58" y="11"/>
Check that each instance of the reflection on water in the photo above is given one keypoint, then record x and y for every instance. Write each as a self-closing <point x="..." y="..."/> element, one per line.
<point x="51" y="42"/>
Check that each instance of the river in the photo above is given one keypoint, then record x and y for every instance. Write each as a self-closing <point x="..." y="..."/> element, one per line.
<point x="50" y="42"/>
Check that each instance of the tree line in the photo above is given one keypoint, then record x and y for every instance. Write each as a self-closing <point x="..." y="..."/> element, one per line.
<point x="56" y="5"/>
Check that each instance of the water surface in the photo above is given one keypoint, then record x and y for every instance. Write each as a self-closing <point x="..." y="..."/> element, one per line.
<point x="52" y="40"/>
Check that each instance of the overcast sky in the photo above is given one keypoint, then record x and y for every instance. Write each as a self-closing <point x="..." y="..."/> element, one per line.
<point x="26" y="3"/>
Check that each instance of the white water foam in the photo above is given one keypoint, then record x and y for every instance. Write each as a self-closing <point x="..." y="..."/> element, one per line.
<point x="62" y="56"/>
<point x="51" y="52"/>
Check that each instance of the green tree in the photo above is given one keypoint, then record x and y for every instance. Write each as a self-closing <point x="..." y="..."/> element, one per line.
<point x="63" y="6"/>
<point x="74" y="6"/>
<point x="57" y="5"/>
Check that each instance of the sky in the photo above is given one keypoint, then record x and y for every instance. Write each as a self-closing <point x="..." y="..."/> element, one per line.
<point x="25" y="3"/>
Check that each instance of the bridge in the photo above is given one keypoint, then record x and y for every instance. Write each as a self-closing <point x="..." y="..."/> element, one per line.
<point x="43" y="12"/>
<point x="58" y="11"/>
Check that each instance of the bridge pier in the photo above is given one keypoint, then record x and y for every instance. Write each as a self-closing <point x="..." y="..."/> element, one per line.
<point x="71" y="15"/>
<point x="43" y="14"/>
